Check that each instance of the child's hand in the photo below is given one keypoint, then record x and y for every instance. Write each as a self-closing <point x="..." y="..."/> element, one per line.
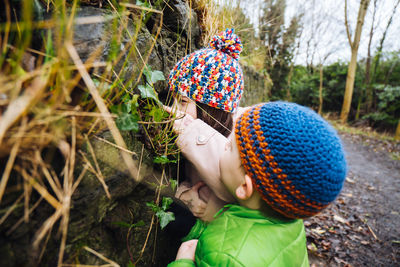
<point x="187" y="250"/>
<point x="182" y="119"/>
<point x="191" y="197"/>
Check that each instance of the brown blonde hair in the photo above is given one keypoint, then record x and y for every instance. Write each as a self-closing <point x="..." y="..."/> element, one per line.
<point x="220" y="120"/>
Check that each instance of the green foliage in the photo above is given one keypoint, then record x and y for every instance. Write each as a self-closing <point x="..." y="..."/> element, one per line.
<point x="161" y="212"/>
<point x="173" y="183"/>
<point x="304" y="87"/>
<point x="147" y="91"/>
<point x="388" y="109"/>
<point x="163" y="160"/>
<point x="280" y="41"/>
<point x="128" y="110"/>
<point x="153" y="76"/>
<point x="128" y="116"/>
<point x="129" y="225"/>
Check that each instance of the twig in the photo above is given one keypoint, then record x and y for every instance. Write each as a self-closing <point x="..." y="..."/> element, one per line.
<point x="114" y="145"/>
<point x="11" y="158"/>
<point x="112" y="263"/>
<point x="48" y="176"/>
<point x="152" y="219"/>
<point x="27" y="194"/>
<point x="372" y="232"/>
<point x="140" y="160"/>
<point x="41" y="190"/>
<point x="17" y="107"/>
<point x="11" y="209"/>
<point x="101" y="177"/>
<point x="80" y="177"/>
<point x="84" y="114"/>
<point x="90" y="167"/>
<point x="15" y="226"/>
<point x="46" y="227"/>
<point x="103" y="109"/>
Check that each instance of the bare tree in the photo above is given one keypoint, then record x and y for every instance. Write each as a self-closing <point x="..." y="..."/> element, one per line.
<point x="368" y="88"/>
<point x="378" y="53"/>
<point x="354" y="44"/>
<point x="319" y="41"/>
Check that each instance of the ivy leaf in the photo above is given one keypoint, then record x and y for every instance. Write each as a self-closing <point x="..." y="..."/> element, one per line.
<point x="173" y="183"/>
<point x="158" y="114"/>
<point x="156" y="76"/>
<point x="134" y="101"/>
<point x="128" y="122"/>
<point x="166" y="201"/>
<point x="153" y="76"/>
<point x="163" y="160"/>
<point x="131" y="264"/>
<point x="126" y="107"/>
<point x="148" y="92"/>
<point x="115" y="109"/>
<point x="153" y="206"/>
<point x="165" y="218"/>
<point x="147" y="73"/>
<point x="141" y="3"/>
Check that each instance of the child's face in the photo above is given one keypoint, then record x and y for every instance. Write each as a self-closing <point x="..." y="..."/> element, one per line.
<point x="232" y="171"/>
<point x="186" y="105"/>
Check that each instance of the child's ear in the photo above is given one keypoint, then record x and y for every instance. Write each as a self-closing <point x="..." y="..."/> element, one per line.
<point x="245" y="190"/>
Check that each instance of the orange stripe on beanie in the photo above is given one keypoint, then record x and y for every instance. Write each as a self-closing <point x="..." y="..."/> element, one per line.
<point x="294" y="157"/>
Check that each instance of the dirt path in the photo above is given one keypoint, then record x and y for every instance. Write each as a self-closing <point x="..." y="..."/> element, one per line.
<point x="362" y="228"/>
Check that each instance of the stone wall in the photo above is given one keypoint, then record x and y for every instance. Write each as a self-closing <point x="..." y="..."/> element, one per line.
<point x="256" y="87"/>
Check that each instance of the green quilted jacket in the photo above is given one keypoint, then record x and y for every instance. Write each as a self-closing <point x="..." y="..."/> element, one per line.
<point x="243" y="237"/>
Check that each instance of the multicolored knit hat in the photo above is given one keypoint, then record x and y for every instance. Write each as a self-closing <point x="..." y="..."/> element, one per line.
<point x="211" y="75"/>
<point x="294" y="157"/>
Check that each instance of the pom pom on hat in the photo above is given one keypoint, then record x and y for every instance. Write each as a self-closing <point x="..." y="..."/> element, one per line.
<point x="212" y="75"/>
<point x="227" y="42"/>
<point x="293" y="156"/>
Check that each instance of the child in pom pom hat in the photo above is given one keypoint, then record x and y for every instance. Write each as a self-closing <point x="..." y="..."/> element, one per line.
<point x="283" y="163"/>
<point x="208" y="85"/>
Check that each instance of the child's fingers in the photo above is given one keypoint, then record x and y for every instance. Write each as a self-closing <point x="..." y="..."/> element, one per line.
<point x="167" y="109"/>
<point x="197" y="186"/>
<point x="187" y="250"/>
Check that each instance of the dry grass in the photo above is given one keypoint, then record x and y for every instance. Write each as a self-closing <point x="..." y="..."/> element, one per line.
<point x="38" y="110"/>
<point x="215" y="16"/>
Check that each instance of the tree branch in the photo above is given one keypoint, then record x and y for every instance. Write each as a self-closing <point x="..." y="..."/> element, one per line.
<point x="346" y="24"/>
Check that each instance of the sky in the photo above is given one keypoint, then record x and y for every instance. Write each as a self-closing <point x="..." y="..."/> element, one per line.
<point x="325" y="18"/>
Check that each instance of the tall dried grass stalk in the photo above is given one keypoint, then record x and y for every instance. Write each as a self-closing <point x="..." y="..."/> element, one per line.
<point x="18" y="223"/>
<point x="98" y="170"/>
<point x="11" y="158"/>
<point x="20" y="105"/>
<point x="41" y="97"/>
<point x="11" y="209"/>
<point x="103" y="109"/>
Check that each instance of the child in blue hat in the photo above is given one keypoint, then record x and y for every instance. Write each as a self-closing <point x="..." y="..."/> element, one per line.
<point x="283" y="163"/>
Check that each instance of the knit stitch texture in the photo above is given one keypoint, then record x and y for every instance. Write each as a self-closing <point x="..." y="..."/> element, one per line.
<point x="294" y="157"/>
<point x="211" y="75"/>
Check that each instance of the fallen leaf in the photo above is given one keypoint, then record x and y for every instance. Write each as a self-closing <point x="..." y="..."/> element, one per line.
<point x="312" y="247"/>
<point x="318" y="231"/>
<point x="339" y="219"/>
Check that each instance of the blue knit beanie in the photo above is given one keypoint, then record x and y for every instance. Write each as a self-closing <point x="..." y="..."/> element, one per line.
<point x="294" y="157"/>
<point x="211" y="75"/>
